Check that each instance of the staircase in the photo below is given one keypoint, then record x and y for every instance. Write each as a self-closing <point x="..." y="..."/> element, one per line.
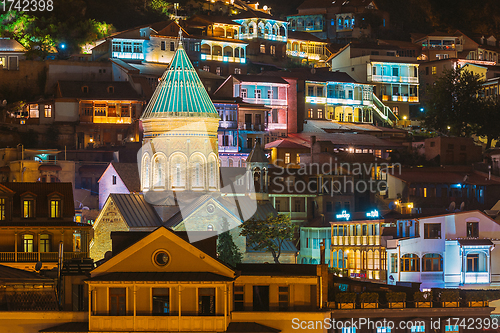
<point x="383" y="112"/>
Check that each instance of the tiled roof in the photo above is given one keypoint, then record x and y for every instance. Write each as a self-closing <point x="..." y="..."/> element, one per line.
<point x="10" y="45"/>
<point x="259" y="78"/>
<point x="161" y="276"/>
<point x="97" y="90"/>
<point x="302" y="35"/>
<point x="129" y="174"/>
<point x="180" y="92"/>
<point x="136" y="211"/>
<point x="42" y="191"/>
<point x="284" y="143"/>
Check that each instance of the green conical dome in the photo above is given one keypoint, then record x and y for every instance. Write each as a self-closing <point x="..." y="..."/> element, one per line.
<point x="180" y="92"/>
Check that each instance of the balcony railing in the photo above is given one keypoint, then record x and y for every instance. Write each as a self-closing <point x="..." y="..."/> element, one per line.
<point x="400" y="98"/>
<point x="42" y="256"/>
<point x="223" y="58"/>
<point x="252" y="127"/>
<point x="265" y="101"/>
<point x="394" y="79"/>
<point x="356" y="240"/>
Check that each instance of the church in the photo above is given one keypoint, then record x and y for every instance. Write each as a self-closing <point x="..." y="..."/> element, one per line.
<point x="182" y="184"/>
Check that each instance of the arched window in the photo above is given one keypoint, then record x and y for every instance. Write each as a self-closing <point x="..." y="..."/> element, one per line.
<point x="146" y="161"/>
<point x="44" y="243"/>
<point x="250" y="30"/>
<point x="282" y="31"/>
<point x="178" y="171"/>
<point x="212" y="172"/>
<point x="197" y="165"/>
<point x="237" y="52"/>
<point x="210" y="227"/>
<point x="410" y="263"/>
<point x="432" y="262"/>
<point x="230" y="162"/>
<point x="159" y="172"/>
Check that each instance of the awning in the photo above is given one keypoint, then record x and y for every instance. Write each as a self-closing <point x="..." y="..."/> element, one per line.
<point x="474" y="242"/>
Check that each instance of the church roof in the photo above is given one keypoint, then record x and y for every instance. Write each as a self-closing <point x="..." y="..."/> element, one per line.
<point x="180" y="92"/>
<point x="257" y="155"/>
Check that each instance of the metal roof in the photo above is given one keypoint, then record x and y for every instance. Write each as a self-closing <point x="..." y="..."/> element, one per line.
<point x="136" y="212"/>
<point x="180" y="92"/>
<point x="161" y="276"/>
<point x="257" y="155"/>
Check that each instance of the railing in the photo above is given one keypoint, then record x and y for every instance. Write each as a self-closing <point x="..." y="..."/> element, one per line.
<point x="394" y="79"/>
<point x="44" y="256"/>
<point x="477" y="277"/>
<point x="265" y="101"/>
<point x="252" y="127"/>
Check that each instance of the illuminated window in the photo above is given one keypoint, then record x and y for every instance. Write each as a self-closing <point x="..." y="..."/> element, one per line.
<point x="262" y="48"/>
<point x="237" y="70"/>
<point x="298" y="158"/>
<point x="28" y="208"/>
<point x="218" y="71"/>
<point x="127" y="47"/>
<point x="395" y="110"/>
<point x="48" y="111"/>
<point x="394" y="263"/>
<point x="320" y="114"/>
<point x="34" y="113"/>
<point x="55" y="209"/>
<point x="77" y="241"/>
<point x="410" y="263"/>
<point x="272" y="49"/>
<point x="27" y="243"/>
<point x="44" y="243"/>
<point x="206" y="68"/>
<point x="434" y="70"/>
<point x="117" y="47"/>
<point x="310" y="113"/>
<point x="287" y="158"/>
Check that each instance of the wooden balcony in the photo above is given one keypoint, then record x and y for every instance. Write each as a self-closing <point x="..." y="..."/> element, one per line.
<point x="39" y="256"/>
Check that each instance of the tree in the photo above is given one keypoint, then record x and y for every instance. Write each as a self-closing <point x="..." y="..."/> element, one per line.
<point x="269" y="234"/>
<point x="487" y="119"/>
<point x="454" y="101"/>
<point x="227" y="251"/>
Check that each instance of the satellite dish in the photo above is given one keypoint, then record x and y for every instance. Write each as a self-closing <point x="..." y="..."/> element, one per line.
<point x="462" y="206"/>
<point x="38" y="266"/>
<point x="452" y="206"/>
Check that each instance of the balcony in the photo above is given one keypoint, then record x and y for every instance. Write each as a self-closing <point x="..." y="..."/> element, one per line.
<point x="157" y="323"/>
<point x="42" y="256"/>
<point x="266" y="101"/>
<point x="237" y="60"/>
<point x="356" y="240"/>
<point x="393" y="79"/>
<point x="252" y="127"/>
<point x="400" y="98"/>
<point x="112" y="120"/>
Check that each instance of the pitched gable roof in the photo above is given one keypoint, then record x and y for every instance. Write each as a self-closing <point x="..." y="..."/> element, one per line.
<point x="185" y="257"/>
<point x="257" y="155"/>
<point x="129" y="174"/>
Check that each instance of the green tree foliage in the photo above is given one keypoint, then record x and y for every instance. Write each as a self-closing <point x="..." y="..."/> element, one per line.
<point x="42" y="32"/>
<point x="269" y="234"/>
<point x="454" y="103"/>
<point x="227" y="251"/>
<point x="487" y="119"/>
